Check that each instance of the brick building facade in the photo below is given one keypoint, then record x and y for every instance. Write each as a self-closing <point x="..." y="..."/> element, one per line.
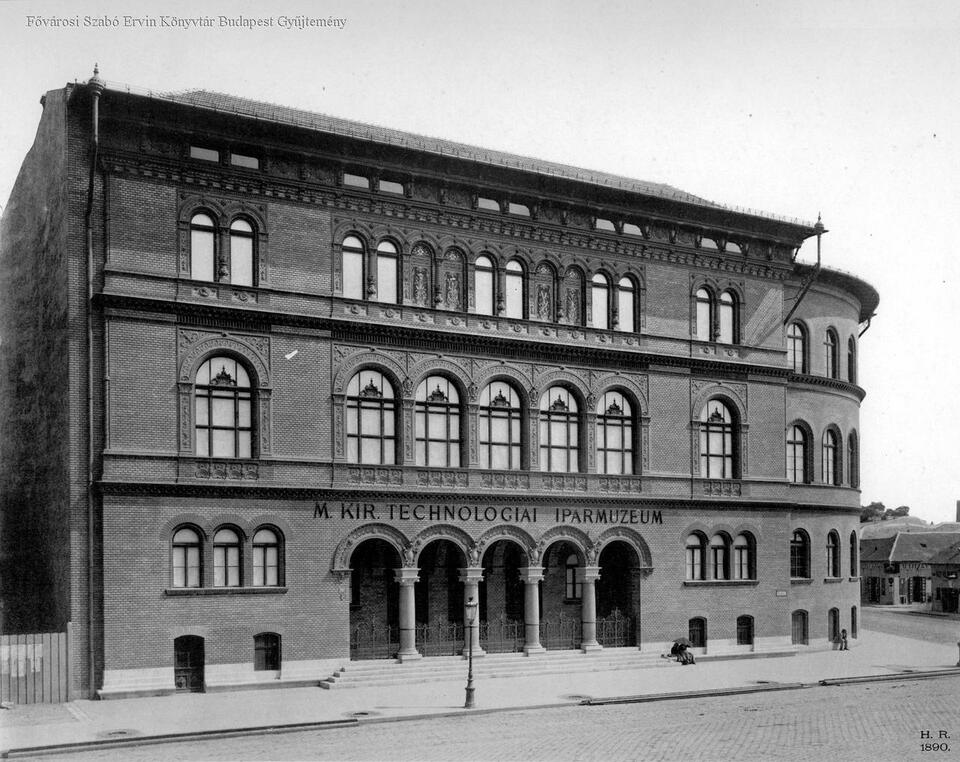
<point x="281" y="390"/>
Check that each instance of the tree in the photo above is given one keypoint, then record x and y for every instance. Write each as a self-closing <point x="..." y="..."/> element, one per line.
<point x="873" y="512"/>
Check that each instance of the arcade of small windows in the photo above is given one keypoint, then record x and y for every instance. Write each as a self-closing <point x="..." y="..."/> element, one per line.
<point x="223" y="257"/>
<point x="800" y="555"/>
<point x="508" y="290"/>
<point x="717" y="316"/>
<point x="720" y="559"/>
<point x="798" y="352"/>
<point x="799" y="469"/>
<point x="228" y="558"/>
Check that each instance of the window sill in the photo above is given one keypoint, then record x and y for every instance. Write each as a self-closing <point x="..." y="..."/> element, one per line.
<point x="801" y="580"/>
<point x="720" y="583"/>
<point x="853" y="579"/>
<point x="833" y="579"/>
<point x="176" y="592"/>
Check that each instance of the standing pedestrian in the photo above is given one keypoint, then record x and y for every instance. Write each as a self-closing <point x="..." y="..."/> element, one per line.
<point x="843" y="640"/>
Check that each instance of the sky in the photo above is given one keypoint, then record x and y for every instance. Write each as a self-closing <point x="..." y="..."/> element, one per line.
<point x="846" y="108"/>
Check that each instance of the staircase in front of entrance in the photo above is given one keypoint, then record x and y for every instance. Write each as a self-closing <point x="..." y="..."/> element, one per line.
<point x="384" y="672"/>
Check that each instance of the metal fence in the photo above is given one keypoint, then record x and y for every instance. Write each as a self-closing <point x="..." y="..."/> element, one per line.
<point x="374" y="640"/>
<point x="501" y="636"/>
<point x="34" y="668"/>
<point x="440" y="639"/>
<point x="561" y="633"/>
<point x="617" y="630"/>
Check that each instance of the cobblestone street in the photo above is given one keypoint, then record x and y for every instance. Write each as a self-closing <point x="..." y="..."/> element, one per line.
<point x="869" y="721"/>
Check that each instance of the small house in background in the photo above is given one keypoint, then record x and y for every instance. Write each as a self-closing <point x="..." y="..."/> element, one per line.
<point x="910" y="568"/>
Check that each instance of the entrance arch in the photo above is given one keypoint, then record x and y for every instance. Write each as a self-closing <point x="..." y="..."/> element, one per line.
<point x="502" y="597"/>
<point x="561" y="595"/>
<point x="374" y="600"/>
<point x="618" y="596"/>
<point x="438" y="599"/>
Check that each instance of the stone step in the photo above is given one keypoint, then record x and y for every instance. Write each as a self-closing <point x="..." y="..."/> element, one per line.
<point x="435" y="669"/>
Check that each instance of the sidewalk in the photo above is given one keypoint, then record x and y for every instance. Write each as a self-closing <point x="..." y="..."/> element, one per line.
<point x="86" y="721"/>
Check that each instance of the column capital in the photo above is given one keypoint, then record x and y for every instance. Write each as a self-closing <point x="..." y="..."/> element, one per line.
<point x="589" y="573"/>
<point x="531" y="574"/>
<point x="407" y="575"/>
<point x="471" y="574"/>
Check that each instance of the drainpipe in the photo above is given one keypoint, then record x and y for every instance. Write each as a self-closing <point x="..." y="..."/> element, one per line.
<point x="866" y="327"/>
<point x="820" y="230"/>
<point x="96" y="86"/>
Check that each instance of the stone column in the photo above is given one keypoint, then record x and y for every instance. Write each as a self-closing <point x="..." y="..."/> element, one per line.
<point x="407" y="577"/>
<point x="531" y="576"/>
<point x="588" y="608"/>
<point x="471" y="577"/>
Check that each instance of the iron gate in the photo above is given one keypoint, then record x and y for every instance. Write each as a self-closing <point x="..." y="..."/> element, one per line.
<point x="501" y="636"/>
<point x="559" y="634"/>
<point x="617" y="630"/>
<point x="374" y="640"/>
<point x="440" y="638"/>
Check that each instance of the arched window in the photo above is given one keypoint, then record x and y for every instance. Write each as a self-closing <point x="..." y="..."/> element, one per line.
<point x="831" y="463"/>
<point x="852" y="360"/>
<point x="226" y="558"/>
<point x="438" y="423"/>
<point x="202" y="247"/>
<point x="833" y="554"/>
<point x="831" y="351"/>
<point x="626" y="305"/>
<point x="500" y="419"/>
<point x="853" y="460"/>
<point x="484" y="286"/>
<point x="719" y="568"/>
<point x="697" y="632"/>
<point x="266" y="651"/>
<point x="186" y="558"/>
<point x="559" y="431"/>
<point x="600" y="296"/>
<point x="704" y="327"/>
<point x="744" y="630"/>
<point x="728" y="328"/>
<point x="854" y="553"/>
<point x="387" y="272"/>
<point x="799" y="555"/>
<point x="224" y="410"/>
<point x="717" y="442"/>
<point x="266" y="558"/>
<point x="371" y="419"/>
<point x="797" y="348"/>
<point x="614" y="434"/>
<point x="513" y="290"/>
<point x="353" y="269"/>
<point x="241" y="254"/>
<point x="744" y="557"/>
<point x="797" y="455"/>
<point x="833" y="625"/>
<point x="574" y="587"/>
<point x="695" y="552"/>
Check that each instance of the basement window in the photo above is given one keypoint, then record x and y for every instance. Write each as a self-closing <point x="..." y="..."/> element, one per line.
<point x="204" y="154"/>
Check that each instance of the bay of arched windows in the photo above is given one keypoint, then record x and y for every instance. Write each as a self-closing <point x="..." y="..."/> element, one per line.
<point x="371" y="419"/>
<point x="614" y="434"/>
<point x="499" y="429"/>
<point x="559" y="431"/>
<point x="437" y="423"/>
<point x="223" y="420"/>
<point x="227" y="553"/>
<point x="353" y="267"/>
<point x="717" y="441"/>
<point x="716" y="316"/>
<point x="513" y="290"/>
<point x="830" y="471"/>
<point x="484" y="280"/>
<point x="797" y="455"/>
<point x="600" y="298"/>
<point x="797" y="347"/>
<point x="210" y="262"/>
<point x="831" y="354"/>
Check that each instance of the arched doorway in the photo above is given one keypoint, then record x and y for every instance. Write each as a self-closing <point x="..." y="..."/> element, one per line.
<point x="501" y="598"/>
<point x="374" y="601"/>
<point x="618" y="596"/>
<point x="438" y="597"/>
<point x="798" y="628"/>
<point x="188" y="661"/>
<point x="561" y="596"/>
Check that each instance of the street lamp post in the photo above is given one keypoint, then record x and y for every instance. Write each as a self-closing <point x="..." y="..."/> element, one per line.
<point x="471" y="607"/>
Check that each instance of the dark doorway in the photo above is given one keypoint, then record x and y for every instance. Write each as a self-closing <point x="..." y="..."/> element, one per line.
<point x="501" y="598"/>
<point x="798" y="628"/>
<point x="618" y="596"/>
<point x="374" y="601"/>
<point x="438" y="598"/>
<point x="188" y="664"/>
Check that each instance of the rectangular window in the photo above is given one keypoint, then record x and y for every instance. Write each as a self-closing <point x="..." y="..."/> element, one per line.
<point x="356" y="181"/>
<point x="387" y="279"/>
<point x="520" y="209"/>
<point x="204" y="154"/>
<point x="241" y="261"/>
<point x="489" y="204"/>
<point x="603" y="224"/>
<point x="247" y="162"/>
<point x="388" y="186"/>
